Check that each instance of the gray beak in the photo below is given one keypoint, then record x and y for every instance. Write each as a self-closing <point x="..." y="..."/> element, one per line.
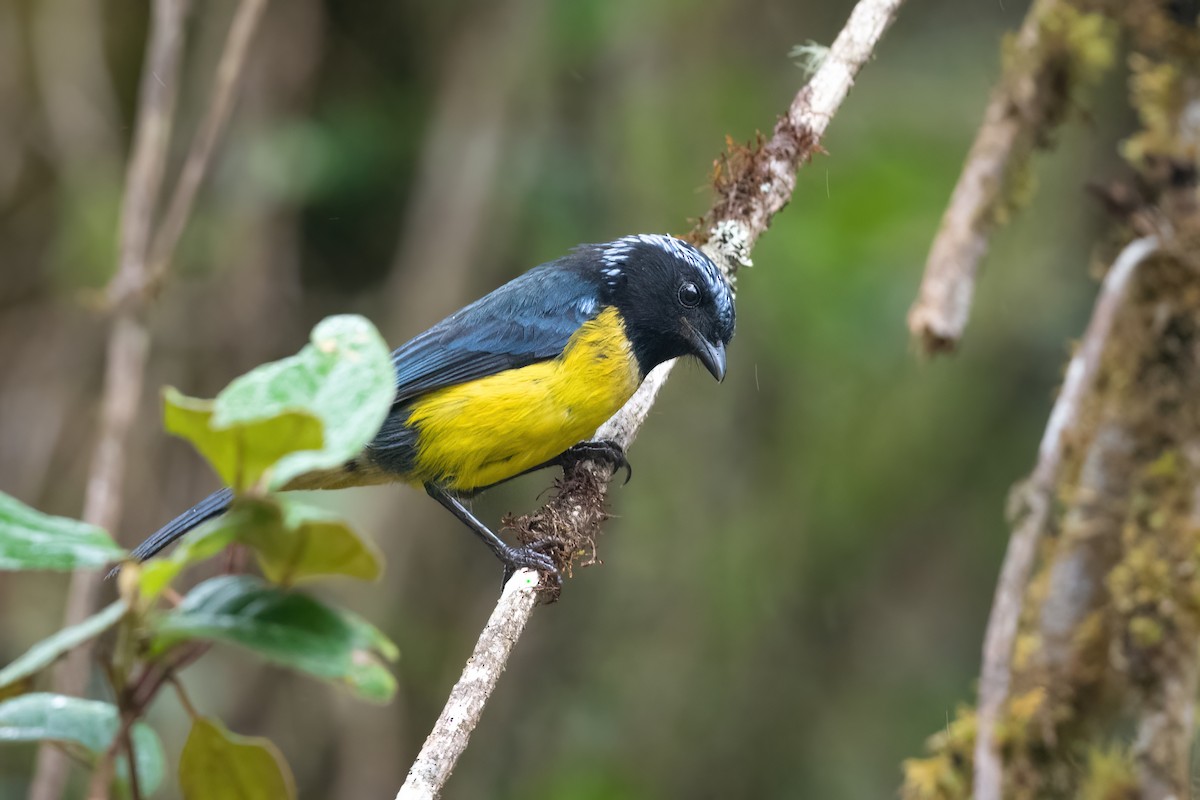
<point x="711" y="355"/>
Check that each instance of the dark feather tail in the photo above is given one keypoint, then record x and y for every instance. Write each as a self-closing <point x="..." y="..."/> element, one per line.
<point x="212" y="506"/>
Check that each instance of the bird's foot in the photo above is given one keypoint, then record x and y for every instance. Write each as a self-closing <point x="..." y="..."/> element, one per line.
<point x="530" y="556"/>
<point x="602" y="451"/>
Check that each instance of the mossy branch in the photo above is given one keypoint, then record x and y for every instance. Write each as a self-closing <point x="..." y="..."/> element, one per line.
<point x="995" y="678"/>
<point x="1057" y="50"/>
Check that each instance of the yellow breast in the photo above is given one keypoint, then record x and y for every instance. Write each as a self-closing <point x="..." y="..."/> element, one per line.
<point x="483" y="432"/>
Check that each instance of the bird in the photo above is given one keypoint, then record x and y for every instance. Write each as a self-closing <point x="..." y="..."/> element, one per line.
<point x="519" y="380"/>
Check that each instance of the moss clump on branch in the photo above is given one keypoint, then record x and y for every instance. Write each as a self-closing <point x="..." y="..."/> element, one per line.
<point x="946" y="773"/>
<point x="1155" y="589"/>
<point x="1158" y="93"/>
<point x="1109" y="775"/>
<point x="1161" y="26"/>
<point x="1142" y="571"/>
<point x="568" y="525"/>
<point x="1073" y="50"/>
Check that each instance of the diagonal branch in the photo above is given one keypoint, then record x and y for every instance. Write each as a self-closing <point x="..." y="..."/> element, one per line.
<point x="996" y="675"/>
<point x="760" y="185"/>
<point x="230" y="69"/>
<point x="452" y="731"/>
<point x="1026" y="102"/>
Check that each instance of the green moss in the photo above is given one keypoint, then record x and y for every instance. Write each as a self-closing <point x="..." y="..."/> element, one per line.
<point x="1074" y="50"/>
<point x="1021" y="719"/>
<point x="934" y="778"/>
<point x="1146" y="631"/>
<point x="1141" y="580"/>
<point x="1109" y="775"/>
<point x="1020" y="184"/>
<point x="946" y="773"/>
<point x="1089" y="40"/>
<point x="1165" y="466"/>
<point x="1156" y="92"/>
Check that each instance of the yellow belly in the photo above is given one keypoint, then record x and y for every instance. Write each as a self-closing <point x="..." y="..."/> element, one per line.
<point x="488" y="430"/>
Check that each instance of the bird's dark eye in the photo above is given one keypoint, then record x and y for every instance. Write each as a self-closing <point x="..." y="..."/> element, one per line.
<point x="689" y="295"/>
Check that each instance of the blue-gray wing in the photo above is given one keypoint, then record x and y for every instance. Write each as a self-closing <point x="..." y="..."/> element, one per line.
<point x="527" y="320"/>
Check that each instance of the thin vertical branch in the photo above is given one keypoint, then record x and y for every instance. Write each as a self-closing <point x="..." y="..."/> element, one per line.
<point x="996" y="675"/>
<point x="742" y="211"/>
<point x="143" y="257"/>
<point x="127" y="345"/>
<point x="230" y="69"/>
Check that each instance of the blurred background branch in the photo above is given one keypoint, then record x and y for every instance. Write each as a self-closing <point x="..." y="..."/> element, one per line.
<point x="127" y="348"/>
<point x="1047" y="62"/>
<point x="145" y="249"/>
<point x="1036" y="502"/>
<point x="1089" y="663"/>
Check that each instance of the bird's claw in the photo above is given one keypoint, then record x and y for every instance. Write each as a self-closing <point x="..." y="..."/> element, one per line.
<point x="603" y="451"/>
<point x="531" y="557"/>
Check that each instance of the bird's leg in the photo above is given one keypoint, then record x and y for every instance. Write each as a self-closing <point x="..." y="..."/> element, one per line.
<point x="602" y="451"/>
<point x="513" y="558"/>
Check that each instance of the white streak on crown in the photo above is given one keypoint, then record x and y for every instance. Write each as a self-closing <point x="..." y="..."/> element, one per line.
<point x="616" y="253"/>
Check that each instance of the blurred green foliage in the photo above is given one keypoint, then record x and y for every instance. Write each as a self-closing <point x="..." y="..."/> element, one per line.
<point x="796" y="581"/>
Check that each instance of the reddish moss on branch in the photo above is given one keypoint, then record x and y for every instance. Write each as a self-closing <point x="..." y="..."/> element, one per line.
<point x="754" y="181"/>
<point x="566" y="528"/>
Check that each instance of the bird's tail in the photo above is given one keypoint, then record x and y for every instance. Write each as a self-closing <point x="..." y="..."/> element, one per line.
<point x="212" y="506"/>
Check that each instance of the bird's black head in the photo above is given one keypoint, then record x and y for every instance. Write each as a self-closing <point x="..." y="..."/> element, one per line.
<point x="674" y="300"/>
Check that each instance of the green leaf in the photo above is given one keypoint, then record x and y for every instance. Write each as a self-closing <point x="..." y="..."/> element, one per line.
<point x="219" y="765"/>
<point x="87" y="725"/>
<point x="203" y="542"/>
<point x="291" y="540"/>
<point x="344" y="378"/>
<point x="295" y="542"/>
<point x="32" y="540"/>
<point x="285" y="627"/>
<point x="240" y="452"/>
<point x="46" y="651"/>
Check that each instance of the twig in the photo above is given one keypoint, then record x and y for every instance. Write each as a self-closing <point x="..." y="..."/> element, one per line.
<point x="151" y="680"/>
<point x="996" y="674"/>
<point x="461" y="713"/>
<point x="127" y="346"/>
<point x="102" y="774"/>
<point x="182" y="694"/>
<point x="224" y="91"/>
<point x="1014" y="116"/>
<point x="135" y="781"/>
<point x="741" y="213"/>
